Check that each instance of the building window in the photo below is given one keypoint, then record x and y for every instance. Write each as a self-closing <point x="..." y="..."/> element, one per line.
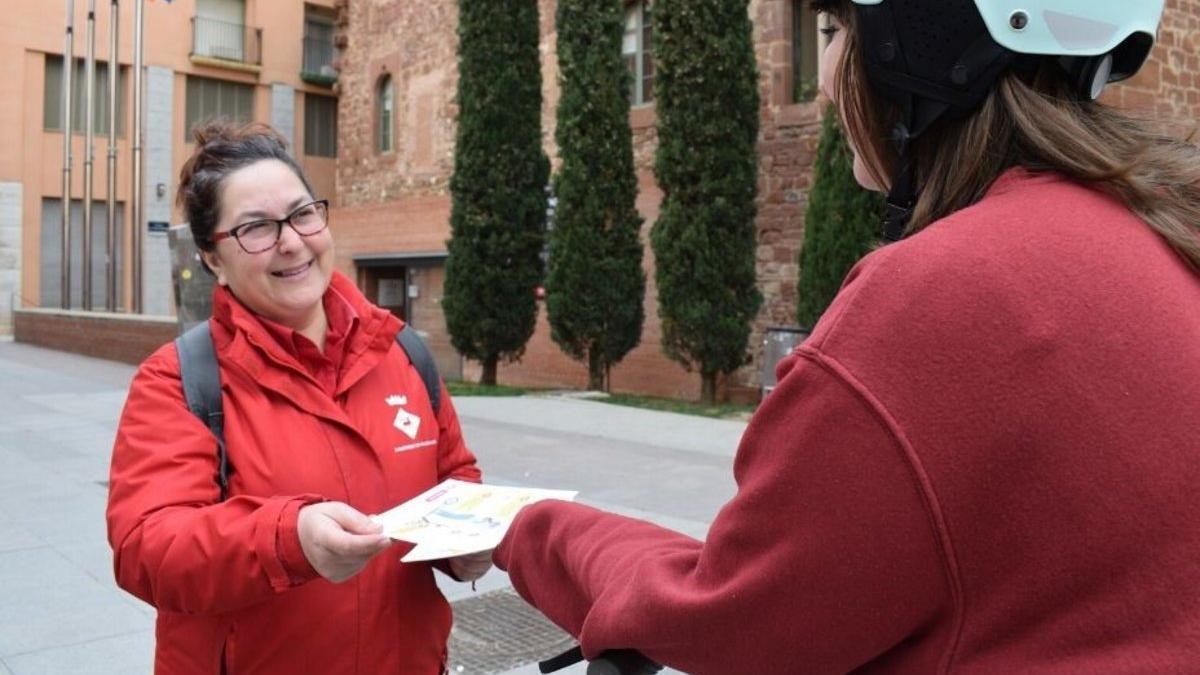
<point x="385" y="113"/>
<point x="317" y="66"/>
<point x="320" y="125"/>
<point x="209" y="99"/>
<point x="52" y="98"/>
<point x="806" y="49"/>
<point x="220" y="32"/>
<point x="636" y="48"/>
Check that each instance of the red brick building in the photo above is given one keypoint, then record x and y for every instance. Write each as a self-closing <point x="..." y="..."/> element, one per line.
<point x="397" y="82"/>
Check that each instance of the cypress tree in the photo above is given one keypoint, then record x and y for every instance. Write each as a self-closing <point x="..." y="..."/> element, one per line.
<point x="596" y="285"/>
<point x="841" y="224"/>
<point x="498" y="212"/>
<point x="704" y="239"/>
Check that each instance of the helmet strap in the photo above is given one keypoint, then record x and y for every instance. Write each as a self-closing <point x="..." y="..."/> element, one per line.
<point x="919" y="114"/>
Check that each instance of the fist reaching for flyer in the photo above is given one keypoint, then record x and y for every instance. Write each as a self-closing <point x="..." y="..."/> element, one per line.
<point x="471" y="566"/>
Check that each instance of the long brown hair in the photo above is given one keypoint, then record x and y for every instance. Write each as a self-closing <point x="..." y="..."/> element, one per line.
<point x="1032" y="122"/>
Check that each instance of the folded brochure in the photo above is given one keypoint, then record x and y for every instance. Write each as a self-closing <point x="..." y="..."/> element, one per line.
<point x="456" y="517"/>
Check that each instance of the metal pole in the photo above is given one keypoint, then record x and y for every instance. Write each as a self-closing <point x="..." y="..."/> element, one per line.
<point x="67" y="71"/>
<point x="89" y="151"/>
<point x="110" y="231"/>
<point x="135" y="259"/>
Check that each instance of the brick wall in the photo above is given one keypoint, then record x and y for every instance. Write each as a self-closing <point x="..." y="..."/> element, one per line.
<point x="117" y="337"/>
<point x="429" y="320"/>
<point x="399" y="201"/>
<point x="1167" y="90"/>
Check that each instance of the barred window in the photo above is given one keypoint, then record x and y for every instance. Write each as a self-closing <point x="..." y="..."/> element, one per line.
<point x="209" y="99"/>
<point x="52" y="102"/>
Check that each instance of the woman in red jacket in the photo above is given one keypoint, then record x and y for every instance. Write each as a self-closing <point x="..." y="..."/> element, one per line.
<point x="325" y="420"/>
<point x="985" y="458"/>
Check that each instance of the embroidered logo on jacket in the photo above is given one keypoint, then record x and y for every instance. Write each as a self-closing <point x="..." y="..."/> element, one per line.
<point x="405" y="421"/>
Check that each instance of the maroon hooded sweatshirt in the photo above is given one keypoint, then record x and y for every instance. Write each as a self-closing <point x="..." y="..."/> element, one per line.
<point x="986" y="459"/>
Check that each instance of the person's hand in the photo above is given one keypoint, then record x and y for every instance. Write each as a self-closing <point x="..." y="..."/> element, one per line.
<point x="471" y="566"/>
<point x="338" y="540"/>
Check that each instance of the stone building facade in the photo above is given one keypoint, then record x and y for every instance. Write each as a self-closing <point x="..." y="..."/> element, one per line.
<point x="392" y="216"/>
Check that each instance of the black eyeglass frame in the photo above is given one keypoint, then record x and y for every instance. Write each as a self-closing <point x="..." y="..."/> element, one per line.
<point x="236" y="232"/>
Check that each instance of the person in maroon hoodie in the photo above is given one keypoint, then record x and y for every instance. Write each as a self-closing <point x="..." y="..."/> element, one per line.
<point x="985" y="457"/>
<point x="326" y="420"/>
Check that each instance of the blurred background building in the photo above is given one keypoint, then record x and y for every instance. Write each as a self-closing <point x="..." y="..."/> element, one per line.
<point x="365" y="90"/>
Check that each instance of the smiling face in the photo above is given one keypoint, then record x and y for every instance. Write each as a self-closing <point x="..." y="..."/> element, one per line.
<point x="287" y="282"/>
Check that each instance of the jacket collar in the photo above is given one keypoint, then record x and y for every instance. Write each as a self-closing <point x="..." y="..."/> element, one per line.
<point x="244" y="343"/>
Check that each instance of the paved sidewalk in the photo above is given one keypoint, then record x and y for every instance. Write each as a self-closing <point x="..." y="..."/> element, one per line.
<point x="61" y="613"/>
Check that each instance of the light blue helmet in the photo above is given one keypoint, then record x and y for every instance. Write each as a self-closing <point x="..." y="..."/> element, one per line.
<point x="1116" y="36"/>
<point x="936" y="58"/>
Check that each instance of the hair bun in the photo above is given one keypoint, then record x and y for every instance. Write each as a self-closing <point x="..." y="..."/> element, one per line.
<point x="211" y="131"/>
<point x="222" y="132"/>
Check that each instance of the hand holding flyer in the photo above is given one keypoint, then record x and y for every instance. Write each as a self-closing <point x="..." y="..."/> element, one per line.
<point x="455" y="517"/>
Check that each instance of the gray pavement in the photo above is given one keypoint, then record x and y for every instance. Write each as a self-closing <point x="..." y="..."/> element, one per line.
<point x="60" y="611"/>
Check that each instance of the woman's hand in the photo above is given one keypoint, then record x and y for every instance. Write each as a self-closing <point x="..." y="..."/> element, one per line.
<point x="471" y="566"/>
<point x="338" y="540"/>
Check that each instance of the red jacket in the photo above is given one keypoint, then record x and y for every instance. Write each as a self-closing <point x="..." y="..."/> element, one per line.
<point x="230" y="577"/>
<point x="984" y="460"/>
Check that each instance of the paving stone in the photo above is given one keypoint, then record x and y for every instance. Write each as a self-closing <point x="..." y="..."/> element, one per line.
<point x="130" y="653"/>
<point x="48" y="602"/>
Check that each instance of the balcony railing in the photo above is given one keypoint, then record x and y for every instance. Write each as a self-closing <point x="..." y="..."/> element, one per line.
<point x="226" y="41"/>
<point x="317" y="66"/>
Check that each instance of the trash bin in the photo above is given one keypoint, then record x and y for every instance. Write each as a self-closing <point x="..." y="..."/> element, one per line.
<point x="778" y="342"/>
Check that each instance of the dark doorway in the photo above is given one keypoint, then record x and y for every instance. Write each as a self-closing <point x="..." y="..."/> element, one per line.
<point x="387" y="287"/>
<point x="411" y="286"/>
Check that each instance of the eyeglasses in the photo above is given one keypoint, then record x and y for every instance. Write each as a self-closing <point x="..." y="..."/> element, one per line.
<point x="258" y="236"/>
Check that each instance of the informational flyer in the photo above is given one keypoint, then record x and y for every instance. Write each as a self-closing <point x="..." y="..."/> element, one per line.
<point x="456" y="517"/>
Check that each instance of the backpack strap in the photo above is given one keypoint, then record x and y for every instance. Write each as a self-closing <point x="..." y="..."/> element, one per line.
<point x="422" y="360"/>
<point x="201" y="377"/>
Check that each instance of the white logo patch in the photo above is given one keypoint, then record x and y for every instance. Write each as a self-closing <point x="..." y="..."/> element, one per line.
<point x="405" y="421"/>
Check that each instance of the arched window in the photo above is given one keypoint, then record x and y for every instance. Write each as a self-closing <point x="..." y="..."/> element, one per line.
<point x="385" y="105"/>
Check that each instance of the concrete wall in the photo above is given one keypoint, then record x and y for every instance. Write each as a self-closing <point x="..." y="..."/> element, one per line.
<point x="283" y="112"/>
<point x="157" y="296"/>
<point x="10" y="253"/>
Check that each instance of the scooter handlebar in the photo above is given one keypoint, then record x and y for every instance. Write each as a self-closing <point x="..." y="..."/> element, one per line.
<point x="622" y="662"/>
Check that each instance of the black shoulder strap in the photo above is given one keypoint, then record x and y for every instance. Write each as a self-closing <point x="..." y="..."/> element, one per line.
<point x="201" y="377"/>
<point x="422" y="360"/>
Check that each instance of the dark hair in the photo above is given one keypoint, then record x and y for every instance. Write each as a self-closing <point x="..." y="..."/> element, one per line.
<point x="221" y="149"/>
<point x="1033" y="122"/>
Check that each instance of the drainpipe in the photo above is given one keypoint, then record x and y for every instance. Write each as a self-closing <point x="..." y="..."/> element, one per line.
<point x="135" y="259"/>
<point x="89" y="154"/>
<point x="114" y="77"/>
<point x="67" y="77"/>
